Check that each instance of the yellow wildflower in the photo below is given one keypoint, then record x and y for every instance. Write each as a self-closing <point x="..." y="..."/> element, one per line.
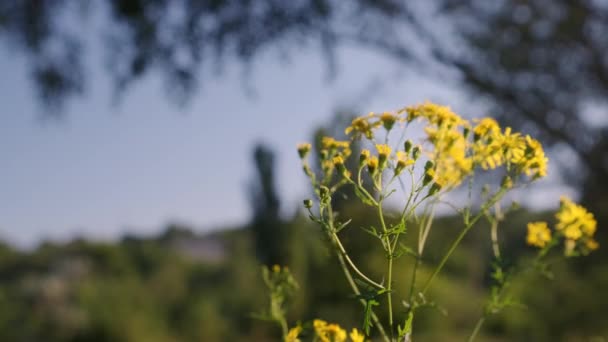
<point x="573" y="232"/>
<point x="538" y="234"/>
<point x="329" y="332"/>
<point x="383" y="150"/>
<point x="327" y="142"/>
<point x="361" y="126"/>
<point x="338" y="161"/>
<point x="339" y="164"/>
<point x="574" y="220"/>
<point x="487" y="127"/>
<point x="534" y="162"/>
<point x="292" y="335"/>
<point x="331" y="143"/>
<point x="435" y="114"/>
<point x="403" y="161"/>
<point x="513" y="145"/>
<point x="449" y="155"/>
<point x="388" y="120"/>
<point x="327" y="166"/>
<point x="372" y="165"/>
<point x="303" y="149"/>
<point x="592" y="245"/>
<point x="363" y="156"/>
<point x="356" y="336"/>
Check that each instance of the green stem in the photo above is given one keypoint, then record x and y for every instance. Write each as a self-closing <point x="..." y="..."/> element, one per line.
<point x="390" y="266"/>
<point x="352" y="264"/>
<point x="477" y="328"/>
<point x="357" y="292"/>
<point x="351" y="281"/>
<point x="469" y="224"/>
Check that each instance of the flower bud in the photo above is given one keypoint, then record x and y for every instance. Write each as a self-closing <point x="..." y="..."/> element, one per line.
<point x="402" y="162"/>
<point x="363" y="157"/>
<point x="383" y="152"/>
<point x="416" y="152"/>
<point x="323" y="193"/>
<point x="507" y="182"/>
<point x="303" y="150"/>
<point x="339" y="164"/>
<point x="308" y="203"/>
<point x="408" y="145"/>
<point x="428" y="165"/>
<point x="434" y="189"/>
<point x="372" y="165"/>
<point x="429" y="175"/>
<point x="388" y="120"/>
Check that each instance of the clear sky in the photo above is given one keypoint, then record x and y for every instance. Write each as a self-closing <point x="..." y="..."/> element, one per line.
<point x="107" y="169"/>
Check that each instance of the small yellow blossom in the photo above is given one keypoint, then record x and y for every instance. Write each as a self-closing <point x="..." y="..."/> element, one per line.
<point x="303" y="149"/>
<point x="450" y="156"/>
<point x="435" y="114"/>
<point x="362" y="126"/>
<point x="329" y="332"/>
<point x="383" y="150"/>
<point x="327" y="166"/>
<point x="388" y="120"/>
<point x="364" y="156"/>
<point x="338" y="161"/>
<point x="486" y="127"/>
<point x="574" y="220"/>
<point x="403" y="161"/>
<point x="356" y="336"/>
<point x="372" y="164"/>
<point x="513" y="146"/>
<point x="539" y="234"/>
<point x="292" y="335"/>
<point x="534" y="162"/>
<point x="331" y="143"/>
<point x="592" y="244"/>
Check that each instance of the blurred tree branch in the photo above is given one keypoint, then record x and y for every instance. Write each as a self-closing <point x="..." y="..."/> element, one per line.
<point x="539" y="62"/>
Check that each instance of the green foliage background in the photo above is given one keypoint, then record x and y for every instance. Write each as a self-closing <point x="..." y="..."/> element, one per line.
<point x="155" y="289"/>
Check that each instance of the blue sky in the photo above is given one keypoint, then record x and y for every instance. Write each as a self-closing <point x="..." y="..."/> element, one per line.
<point x="107" y="169"/>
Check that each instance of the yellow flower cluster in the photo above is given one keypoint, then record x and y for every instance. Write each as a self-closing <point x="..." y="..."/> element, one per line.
<point x="574" y="223"/>
<point x="365" y="125"/>
<point x="577" y="225"/>
<point x="539" y="234"/>
<point x="493" y="148"/>
<point x="435" y="114"/>
<point x="449" y="153"/>
<point x="329" y="332"/>
<point x="331" y="145"/>
<point x="453" y="152"/>
<point x="333" y="154"/>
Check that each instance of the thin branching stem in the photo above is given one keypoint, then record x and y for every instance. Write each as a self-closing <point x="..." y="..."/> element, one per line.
<point x="352" y="264"/>
<point x="477" y="328"/>
<point x="351" y="281"/>
<point x="469" y="224"/>
<point x="390" y="267"/>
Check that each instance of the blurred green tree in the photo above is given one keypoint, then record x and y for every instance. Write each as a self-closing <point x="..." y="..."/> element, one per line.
<point x="269" y="233"/>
